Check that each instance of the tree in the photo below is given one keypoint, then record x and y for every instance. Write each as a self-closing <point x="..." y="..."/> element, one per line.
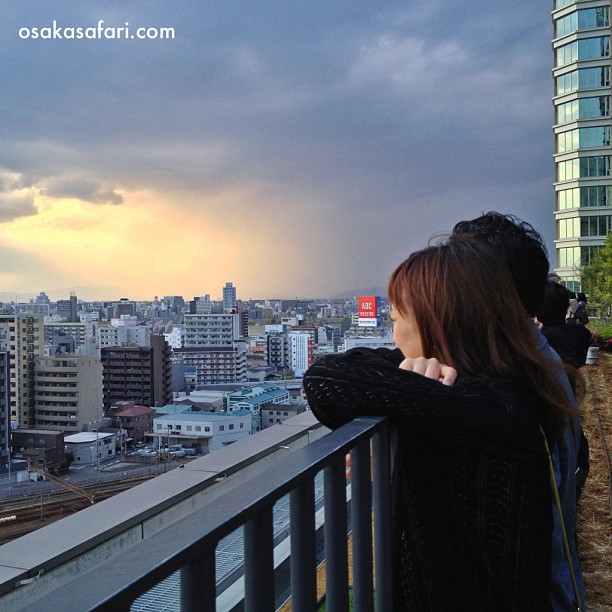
<point x="596" y="276"/>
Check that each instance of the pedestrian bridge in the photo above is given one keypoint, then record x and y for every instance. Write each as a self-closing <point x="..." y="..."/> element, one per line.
<point x="244" y="527"/>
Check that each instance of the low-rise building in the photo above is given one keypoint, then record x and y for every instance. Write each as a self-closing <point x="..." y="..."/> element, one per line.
<point x="136" y="421"/>
<point x="273" y="414"/>
<point x="44" y="448"/>
<point x="202" y="431"/>
<point x="90" y="447"/>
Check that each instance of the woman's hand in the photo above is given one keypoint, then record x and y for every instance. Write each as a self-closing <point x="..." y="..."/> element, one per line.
<point x="431" y="368"/>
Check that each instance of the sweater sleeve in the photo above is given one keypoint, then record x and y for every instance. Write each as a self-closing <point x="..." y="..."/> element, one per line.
<point x="368" y="382"/>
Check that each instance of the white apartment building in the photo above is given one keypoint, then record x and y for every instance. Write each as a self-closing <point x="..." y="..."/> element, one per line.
<point x="372" y="342"/>
<point x="89" y="447"/>
<point x="67" y="391"/>
<point x="213" y="344"/>
<point x="211" y="330"/>
<point x="214" y="365"/>
<point x="204" y="431"/>
<point x="124" y="331"/>
<point x="301" y="352"/>
<point x="176" y="338"/>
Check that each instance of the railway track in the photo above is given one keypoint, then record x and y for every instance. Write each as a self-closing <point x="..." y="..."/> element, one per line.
<point x="26" y="514"/>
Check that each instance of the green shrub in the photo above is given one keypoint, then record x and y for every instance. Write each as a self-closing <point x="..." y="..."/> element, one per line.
<point x="602" y="334"/>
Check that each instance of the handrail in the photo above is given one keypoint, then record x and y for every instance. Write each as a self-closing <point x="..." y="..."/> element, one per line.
<point x="189" y="543"/>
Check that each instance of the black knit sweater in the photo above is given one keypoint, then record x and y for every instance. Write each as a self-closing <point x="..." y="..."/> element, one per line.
<point x="472" y="502"/>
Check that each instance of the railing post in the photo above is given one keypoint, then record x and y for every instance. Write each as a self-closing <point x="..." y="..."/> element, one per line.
<point x="361" y="508"/>
<point x="303" y="549"/>
<point x="382" y="520"/>
<point x="198" y="584"/>
<point x="259" y="563"/>
<point x="335" y="530"/>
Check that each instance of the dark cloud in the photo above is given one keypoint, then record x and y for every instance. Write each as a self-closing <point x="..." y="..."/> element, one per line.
<point x="15" y="205"/>
<point x="88" y="190"/>
<point x="393" y="120"/>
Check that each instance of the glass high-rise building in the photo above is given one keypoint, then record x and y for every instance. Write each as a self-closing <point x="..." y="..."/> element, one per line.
<point x="583" y="152"/>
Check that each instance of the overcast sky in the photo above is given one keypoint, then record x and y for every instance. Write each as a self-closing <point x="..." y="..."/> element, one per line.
<point x="294" y="148"/>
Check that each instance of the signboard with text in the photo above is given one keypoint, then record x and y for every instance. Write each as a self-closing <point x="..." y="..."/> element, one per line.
<point x="368" y="311"/>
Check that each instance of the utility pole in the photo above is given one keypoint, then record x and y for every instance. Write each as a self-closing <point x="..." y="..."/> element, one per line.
<point x="98" y="453"/>
<point x="120" y="438"/>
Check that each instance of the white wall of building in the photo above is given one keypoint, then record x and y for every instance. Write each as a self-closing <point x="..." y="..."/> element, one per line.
<point x="301" y="352"/>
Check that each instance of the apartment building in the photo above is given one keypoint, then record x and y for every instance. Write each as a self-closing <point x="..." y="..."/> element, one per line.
<point x="202" y="431"/>
<point x="302" y="347"/>
<point x="142" y="374"/>
<point x="123" y="331"/>
<point x="582" y="125"/>
<point x="214" y="345"/>
<point x="67" y="391"/>
<point x="5" y="406"/>
<point x="26" y="341"/>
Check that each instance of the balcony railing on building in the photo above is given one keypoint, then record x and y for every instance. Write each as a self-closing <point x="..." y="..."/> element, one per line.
<point x="115" y="553"/>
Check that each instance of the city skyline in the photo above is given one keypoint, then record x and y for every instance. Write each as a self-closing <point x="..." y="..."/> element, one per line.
<point x="296" y="150"/>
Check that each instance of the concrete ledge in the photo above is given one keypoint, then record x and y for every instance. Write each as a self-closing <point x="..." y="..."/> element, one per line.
<point x="81" y="541"/>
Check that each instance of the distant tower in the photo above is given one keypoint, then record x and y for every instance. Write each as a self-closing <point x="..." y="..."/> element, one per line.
<point x="68" y="309"/>
<point x="124" y="307"/>
<point x="229" y="297"/>
<point x="583" y="150"/>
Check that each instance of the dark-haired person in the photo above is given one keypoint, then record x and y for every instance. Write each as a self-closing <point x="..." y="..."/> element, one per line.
<point x="468" y="392"/>
<point x="523" y="251"/>
<point x="570" y="341"/>
<point x="572" y="344"/>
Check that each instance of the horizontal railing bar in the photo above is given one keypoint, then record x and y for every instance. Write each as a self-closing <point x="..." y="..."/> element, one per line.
<point x="110" y="586"/>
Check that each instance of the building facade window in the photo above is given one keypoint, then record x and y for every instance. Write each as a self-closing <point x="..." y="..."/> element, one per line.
<point x="595" y="226"/>
<point x="574" y="257"/>
<point x="583" y="138"/>
<point x="584" y="78"/>
<point x="583" y="49"/>
<point x="585" y="19"/>
<point x="584" y="197"/>
<point x="583" y="167"/>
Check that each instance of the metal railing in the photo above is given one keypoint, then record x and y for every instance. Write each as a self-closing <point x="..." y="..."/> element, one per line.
<point x="188" y="544"/>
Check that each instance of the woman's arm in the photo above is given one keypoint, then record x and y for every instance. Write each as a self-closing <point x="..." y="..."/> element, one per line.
<point x="365" y="382"/>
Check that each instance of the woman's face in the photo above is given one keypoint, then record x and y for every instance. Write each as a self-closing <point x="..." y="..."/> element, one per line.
<point x="406" y="334"/>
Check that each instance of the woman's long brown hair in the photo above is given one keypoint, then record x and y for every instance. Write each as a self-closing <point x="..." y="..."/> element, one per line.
<point x="470" y="317"/>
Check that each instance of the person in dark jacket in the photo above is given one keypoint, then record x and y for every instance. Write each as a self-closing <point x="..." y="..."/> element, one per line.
<point x="572" y="343"/>
<point x="468" y="390"/>
<point x="523" y="251"/>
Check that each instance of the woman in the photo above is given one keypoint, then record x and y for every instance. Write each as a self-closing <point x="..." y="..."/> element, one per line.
<point x="468" y="392"/>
